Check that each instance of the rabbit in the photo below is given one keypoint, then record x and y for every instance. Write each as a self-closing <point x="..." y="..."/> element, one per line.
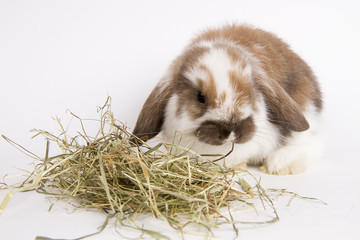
<point x="241" y="90"/>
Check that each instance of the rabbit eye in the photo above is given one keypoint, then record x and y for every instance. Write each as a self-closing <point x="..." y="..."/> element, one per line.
<point x="200" y="97"/>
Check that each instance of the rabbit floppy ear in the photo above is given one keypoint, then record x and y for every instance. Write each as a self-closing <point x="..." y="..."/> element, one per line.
<point x="151" y="117"/>
<point x="283" y="110"/>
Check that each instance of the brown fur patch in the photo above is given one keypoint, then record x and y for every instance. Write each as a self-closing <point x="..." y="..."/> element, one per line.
<point x="189" y="59"/>
<point x="243" y="88"/>
<point x="283" y="111"/>
<point x="183" y="87"/>
<point x="214" y="133"/>
<point x="222" y="98"/>
<point x="208" y="87"/>
<point x="231" y="52"/>
<point x="151" y="117"/>
<point x="217" y="132"/>
<point x="244" y="130"/>
<point x="187" y="92"/>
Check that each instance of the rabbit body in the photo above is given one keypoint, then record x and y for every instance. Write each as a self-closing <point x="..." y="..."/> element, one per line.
<point x="240" y="88"/>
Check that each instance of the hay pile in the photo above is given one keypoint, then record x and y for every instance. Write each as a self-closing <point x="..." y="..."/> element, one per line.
<point x="109" y="172"/>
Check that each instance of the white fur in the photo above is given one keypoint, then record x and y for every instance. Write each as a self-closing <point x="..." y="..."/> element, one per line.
<point x="301" y="149"/>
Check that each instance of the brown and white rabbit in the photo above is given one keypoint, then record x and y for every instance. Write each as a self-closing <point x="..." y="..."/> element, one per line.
<point x="242" y="85"/>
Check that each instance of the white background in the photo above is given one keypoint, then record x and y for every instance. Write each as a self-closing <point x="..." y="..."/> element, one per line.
<point x="59" y="55"/>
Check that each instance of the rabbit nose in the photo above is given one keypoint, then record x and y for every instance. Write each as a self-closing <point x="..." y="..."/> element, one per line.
<point x="219" y="132"/>
<point x="214" y="132"/>
<point x="224" y="132"/>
